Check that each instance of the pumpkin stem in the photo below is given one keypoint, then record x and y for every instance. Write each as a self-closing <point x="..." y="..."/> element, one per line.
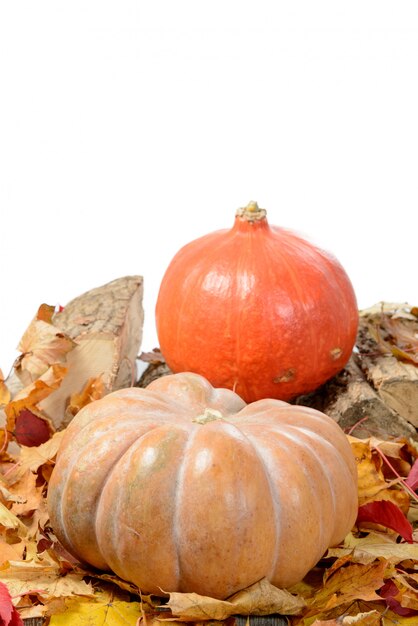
<point x="252" y="212"/>
<point x="209" y="415"/>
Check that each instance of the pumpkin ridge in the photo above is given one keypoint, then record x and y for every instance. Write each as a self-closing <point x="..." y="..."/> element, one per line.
<point x="178" y="495"/>
<point x="255" y="443"/>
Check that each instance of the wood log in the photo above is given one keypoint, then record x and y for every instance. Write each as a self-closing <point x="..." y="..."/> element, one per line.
<point x="106" y="324"/>
<point x="352" y="402"/>
<point x="395" y="380"/>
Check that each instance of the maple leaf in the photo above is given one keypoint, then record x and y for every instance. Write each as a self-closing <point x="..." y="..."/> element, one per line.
<point x="9" y="616"/>
<point x="385" y="513"/>
<point x="98" y="613"/>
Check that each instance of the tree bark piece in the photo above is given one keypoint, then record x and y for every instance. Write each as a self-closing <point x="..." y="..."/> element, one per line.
<point x="106" y="324"/>
<point x="351" y="401"/>
<point x="395" y="381"/>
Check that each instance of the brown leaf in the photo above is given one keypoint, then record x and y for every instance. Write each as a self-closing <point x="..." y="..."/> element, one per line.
<point x="42" y="345"/>
<point x="262" y="598"/>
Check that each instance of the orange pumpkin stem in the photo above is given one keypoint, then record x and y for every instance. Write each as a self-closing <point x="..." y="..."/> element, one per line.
<point x="251" y="213"/>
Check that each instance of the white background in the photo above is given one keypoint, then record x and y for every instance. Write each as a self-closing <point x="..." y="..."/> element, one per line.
<point x="129" y="128"/>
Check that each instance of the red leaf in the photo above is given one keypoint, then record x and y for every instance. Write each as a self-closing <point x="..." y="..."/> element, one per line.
<point x="30" y="430"/>
<point x="387" y="514"/>
<point x="389" y="591"/>
<point x="8" y="614"/>
<point x="412" y="480"/>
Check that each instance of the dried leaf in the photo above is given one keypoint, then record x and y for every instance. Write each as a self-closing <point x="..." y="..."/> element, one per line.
<point x="96" y="613"/>
<point x="262" y="598"/>
<point x="369" y="618"/>
<point x="42" y="345"/>
<point x="94" y="389"/>
<point x="354" y="582"/>
<point x="9" y="520"/>
<point x="8" y="613"/>
<point x="374" y="546"/>
<point x="386" y="514"/>
<point x="30" y="429"/>
<point x="11" y="551"/>
<point x="4" y="391"/>
<point x="34" y="457"/>
<point x="372" y="484"/>
<point x="30" y="495"/>
<point x="23" y="577"/>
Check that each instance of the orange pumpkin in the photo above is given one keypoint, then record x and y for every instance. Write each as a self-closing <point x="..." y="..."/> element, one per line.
<point x="183" y="487"/>
<point x="256" y="309"/>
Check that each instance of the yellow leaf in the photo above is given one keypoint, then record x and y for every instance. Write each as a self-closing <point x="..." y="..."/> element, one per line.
<point x="93" y="613"/>
<point x="262" y="598"/>
<point x="369" y="618"/>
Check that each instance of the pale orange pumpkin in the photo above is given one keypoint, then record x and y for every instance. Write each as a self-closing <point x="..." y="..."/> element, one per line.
<point x="183" y="487"/>
<point x="256" y="309"/>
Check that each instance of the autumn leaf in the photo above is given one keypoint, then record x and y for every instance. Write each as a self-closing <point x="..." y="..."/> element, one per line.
<point x="354" y="582"/>
<point x="374" y="546"/>
<point x="94" y="389"/>
<point x="262" y="598"/>
<point x="369" y="618"/>
<point x="385" y="513"/>
<point x="8" y="613"/>
<point x="4" y="391"/>
<point x="42" y="345"/>
<point x="22" y="410"/>
<point x="23" y="577"/>
<point x="96" y="613"/>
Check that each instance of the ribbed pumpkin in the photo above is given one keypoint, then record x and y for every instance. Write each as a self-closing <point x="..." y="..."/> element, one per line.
<point x="256" y="309"/>
<point x="183" y="487"/>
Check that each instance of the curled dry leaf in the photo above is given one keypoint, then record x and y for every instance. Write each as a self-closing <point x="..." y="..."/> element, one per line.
<point x="262" y="598"/>
<point x="94" y="389"/>
<point x="42" y="345"/>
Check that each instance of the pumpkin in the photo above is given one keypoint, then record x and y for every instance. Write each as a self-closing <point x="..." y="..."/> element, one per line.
<point x="183" y="487"/>
<point x="256" y="309"/>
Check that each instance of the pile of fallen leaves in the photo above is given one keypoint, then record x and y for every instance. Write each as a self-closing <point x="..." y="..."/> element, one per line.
<point x="370" y="579"/>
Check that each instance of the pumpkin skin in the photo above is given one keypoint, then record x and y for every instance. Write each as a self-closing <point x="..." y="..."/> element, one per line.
<point x="210" y="505"/>
<point x="256" y="309"/>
